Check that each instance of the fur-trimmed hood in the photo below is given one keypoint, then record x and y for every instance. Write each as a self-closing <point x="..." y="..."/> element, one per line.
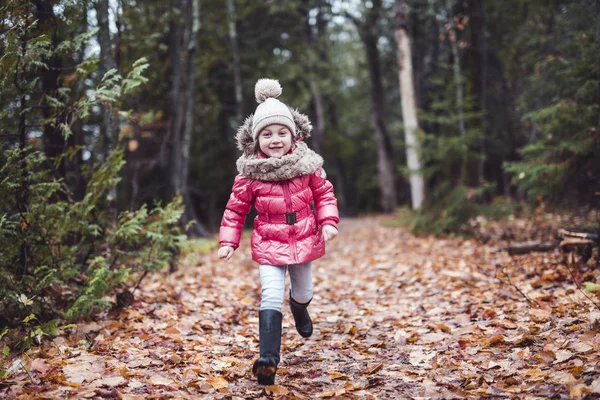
<point x="298" y="162"/>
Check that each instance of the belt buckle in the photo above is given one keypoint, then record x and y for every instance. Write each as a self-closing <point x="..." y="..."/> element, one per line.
<point x="290" y="218"/>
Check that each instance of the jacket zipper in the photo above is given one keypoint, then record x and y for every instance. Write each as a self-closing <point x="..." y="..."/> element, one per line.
<point x="288" y="206"/>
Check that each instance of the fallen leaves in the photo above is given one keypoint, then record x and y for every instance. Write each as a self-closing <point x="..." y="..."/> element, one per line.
<point x="418" y="318"/>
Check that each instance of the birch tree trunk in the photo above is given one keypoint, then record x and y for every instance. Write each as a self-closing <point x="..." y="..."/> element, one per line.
<point x="237" y="76"/>
<point x="409" y="109"/>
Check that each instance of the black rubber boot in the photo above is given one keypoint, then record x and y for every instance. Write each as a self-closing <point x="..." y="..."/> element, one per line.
<point x="265" y="368"/>
<point x="304" y="324"/>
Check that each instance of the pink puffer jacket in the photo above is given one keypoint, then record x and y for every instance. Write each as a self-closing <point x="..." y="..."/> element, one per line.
<point x="286" y="229"/>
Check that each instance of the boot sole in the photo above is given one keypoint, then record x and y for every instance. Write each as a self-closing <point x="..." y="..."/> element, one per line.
<point x="305" y="334"/>
<point x="265" y="373"/>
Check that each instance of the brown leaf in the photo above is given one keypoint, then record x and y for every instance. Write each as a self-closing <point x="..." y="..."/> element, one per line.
<point x="84" y="371"/>
<point x="507" y="324"/>
<point x="40" y="365"/>
<point x="158" y="379"/>
<point x="581" y="347"/>
<point x="108" y="393"/>
<point x="175" y="359"/>
<point x="563" y="355"/>
<point x="539" y="315"/>
<point x="112" y="381"/>
<point x="495" y="340"/>
<point x="208" y="325"/>
<point x="374" y="369"/>
<point x="546" y="356"/>
<point x="276" y="390"/>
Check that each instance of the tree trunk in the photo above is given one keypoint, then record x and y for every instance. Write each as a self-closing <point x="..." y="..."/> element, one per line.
<point x="457" y="70"/>
<point x="107" y="62"/>
<point x="190" y="89"/>
<point x="483" y="93"/>
<point x="346" y="201"/>
<point x="409" y="109"/>
<point x="598" y="54"/>
<point x="477" y="71"/>
<point x="385" y="163"/>
<point x="176" y="103"/>
<point x="318" y="133"/>
<point x="119" y="35"/>
<point x="453" y="39"/>
<point x="528" y="247"/>
<point x="54" y="143"/>
<point x="385" y="155"/>
<point x="22" y="199"/>
<point x="190" y="212"/>
<point x="237" y="76"/>
<point x="109" y="123"/>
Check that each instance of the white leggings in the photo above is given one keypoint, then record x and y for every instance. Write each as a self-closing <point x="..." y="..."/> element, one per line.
<point x="272" y="281"/>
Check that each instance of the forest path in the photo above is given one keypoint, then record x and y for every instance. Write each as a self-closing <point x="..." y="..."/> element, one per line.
<point x="396" y="316"/>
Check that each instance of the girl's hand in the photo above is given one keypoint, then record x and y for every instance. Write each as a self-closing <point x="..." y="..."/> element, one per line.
<point x="226" y="252"/>
<point x="329" y="232"/>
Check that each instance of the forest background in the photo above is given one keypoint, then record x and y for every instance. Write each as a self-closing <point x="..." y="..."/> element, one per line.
<point x="118" y="122"/>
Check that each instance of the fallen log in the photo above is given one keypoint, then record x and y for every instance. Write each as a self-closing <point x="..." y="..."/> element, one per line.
<point x="594" y="237"/>
<point x="528" y="247"/>
<point x="569" y="244"/>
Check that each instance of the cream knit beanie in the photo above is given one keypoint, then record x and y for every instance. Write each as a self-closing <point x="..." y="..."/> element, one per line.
<point x="270" y="110"/>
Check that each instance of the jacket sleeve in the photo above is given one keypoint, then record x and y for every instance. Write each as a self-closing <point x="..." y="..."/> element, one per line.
<point x="325" y="201"/>
<point x="238" y="206"/>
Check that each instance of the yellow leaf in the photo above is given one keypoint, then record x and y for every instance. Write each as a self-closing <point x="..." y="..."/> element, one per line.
<point x="332" y="393"/>
<point x="578" y="391"/>
<point x="172" y="331"/>
<point x="217" y="382"/>
<point x="337" y="375"/>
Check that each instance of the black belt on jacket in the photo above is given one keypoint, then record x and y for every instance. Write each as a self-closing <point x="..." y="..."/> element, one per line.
<point x="289" y="218"/>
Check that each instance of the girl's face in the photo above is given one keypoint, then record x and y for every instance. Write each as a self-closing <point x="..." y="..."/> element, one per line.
<point x="275" y="140"/>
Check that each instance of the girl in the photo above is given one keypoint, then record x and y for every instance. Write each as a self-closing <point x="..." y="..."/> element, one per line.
<point x="281" y="176"/>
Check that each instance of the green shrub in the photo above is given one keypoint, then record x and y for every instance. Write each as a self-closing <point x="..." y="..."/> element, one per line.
<point x="453" y="209"/>
<point x="61" y="257"/>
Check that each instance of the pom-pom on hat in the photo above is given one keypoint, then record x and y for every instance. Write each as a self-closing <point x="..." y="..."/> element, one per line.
<point x="270" y="110"/>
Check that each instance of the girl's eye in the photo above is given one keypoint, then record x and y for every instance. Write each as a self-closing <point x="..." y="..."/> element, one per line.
<point x="266" y="135"/>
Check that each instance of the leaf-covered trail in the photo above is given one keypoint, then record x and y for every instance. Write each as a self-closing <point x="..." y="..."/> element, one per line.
<point x="395" y="316"/>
